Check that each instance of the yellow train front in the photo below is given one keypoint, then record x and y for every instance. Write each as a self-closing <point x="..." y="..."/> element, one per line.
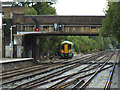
<point x="66" y="49"/>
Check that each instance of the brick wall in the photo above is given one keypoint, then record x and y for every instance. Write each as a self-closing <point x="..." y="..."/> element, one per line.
<point x="9" y="10"/>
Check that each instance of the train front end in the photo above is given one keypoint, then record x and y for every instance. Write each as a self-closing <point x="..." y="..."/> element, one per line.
<point x="66" y="49"/>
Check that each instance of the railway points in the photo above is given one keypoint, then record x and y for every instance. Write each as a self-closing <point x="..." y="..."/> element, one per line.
<point x="70" y="74"/>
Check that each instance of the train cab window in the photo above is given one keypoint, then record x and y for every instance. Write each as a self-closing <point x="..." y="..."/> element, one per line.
<point x="69" y="46"/>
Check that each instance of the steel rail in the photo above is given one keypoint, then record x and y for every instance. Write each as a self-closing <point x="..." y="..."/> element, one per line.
<point x="58" y="66"/>
<point x="30" y="76"/>
<point x="109" y="81"/>
<point x="23" y="72"/>
<point x="71" y="75"/>
<point x="14" y="73"/>
<point x="57" y="73"/>
<point x="86" y="59"/>
<point x="78" y="84"/>
<point x="19" y="69"/>
<point x="67" y="61"/>
<point x="80" y="71"/>
<point x="63" y="85"/>
<point x="90" y="79"/>
<point x="101" y="54"/>
<point x="65" y="78"/>
<point x="55" y="85"/>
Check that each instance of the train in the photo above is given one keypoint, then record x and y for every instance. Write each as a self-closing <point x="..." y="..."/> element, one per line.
<point x="66" y="49"/>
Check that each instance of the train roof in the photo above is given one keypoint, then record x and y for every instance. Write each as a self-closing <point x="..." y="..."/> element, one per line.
<point x="66" y="42"/>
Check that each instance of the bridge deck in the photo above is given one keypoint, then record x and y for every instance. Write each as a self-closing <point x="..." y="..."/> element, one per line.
<point x="56" y="33"/>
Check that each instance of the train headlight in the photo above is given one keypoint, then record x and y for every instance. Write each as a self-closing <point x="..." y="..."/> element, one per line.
<point x="62" y="51"/>
<point x="69" y="51"/>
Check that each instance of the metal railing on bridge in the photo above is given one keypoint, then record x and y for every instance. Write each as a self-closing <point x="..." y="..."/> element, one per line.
<point x="66" y="29"/>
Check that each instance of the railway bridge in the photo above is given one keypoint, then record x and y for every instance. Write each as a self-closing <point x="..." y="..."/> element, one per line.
<point x="57" y="25"/>
<point x="28" y="28"/>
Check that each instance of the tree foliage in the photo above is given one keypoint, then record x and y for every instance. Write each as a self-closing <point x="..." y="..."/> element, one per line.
<point x="44" y="8"/>
<point x="39" y="8"/>
<point x="82" y="44"/>
<point x="111" y="24"/>
<point x="29" y="11"/>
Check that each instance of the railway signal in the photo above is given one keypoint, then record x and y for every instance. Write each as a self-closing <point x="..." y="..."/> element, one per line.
<point x="37" y="29"/>
<point x="37" y="23"/>
<point x="60" y="27"/>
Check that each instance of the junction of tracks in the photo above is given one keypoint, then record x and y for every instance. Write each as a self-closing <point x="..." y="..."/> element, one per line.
<point x="98" y="70"/>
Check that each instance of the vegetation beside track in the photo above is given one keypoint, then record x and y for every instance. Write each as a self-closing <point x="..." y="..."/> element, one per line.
<point x="82" y="44"/>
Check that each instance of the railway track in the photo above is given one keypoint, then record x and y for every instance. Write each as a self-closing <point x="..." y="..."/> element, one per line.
<point x="79" y="82"/>
<point x="43" y="80"/>
<point x="109" y="80"/>
<point x="28" y="68"/>
<point x="96" y="72"/>
<point x="60" y="81"/>
<point x="43" y="69"/>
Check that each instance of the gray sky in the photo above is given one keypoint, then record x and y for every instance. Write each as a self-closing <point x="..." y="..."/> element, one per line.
<point x="81" y="7"/>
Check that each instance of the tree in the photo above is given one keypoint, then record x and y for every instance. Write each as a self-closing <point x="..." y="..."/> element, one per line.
<point x="44" y="8"/>
<point x="39" y="8"/>
<point x="29" y="11"/>
<point x="111" y="24"/>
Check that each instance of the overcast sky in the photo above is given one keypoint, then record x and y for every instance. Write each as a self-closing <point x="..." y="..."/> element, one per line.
<point x="81" y="7"/>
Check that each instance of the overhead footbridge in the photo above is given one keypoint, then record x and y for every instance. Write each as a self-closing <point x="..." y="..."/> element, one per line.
<point x="57" y="25"/>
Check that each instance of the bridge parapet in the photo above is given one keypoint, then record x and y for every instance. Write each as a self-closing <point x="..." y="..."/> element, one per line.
<point x="51" y="19"/>
<point x="66" y="29"/>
